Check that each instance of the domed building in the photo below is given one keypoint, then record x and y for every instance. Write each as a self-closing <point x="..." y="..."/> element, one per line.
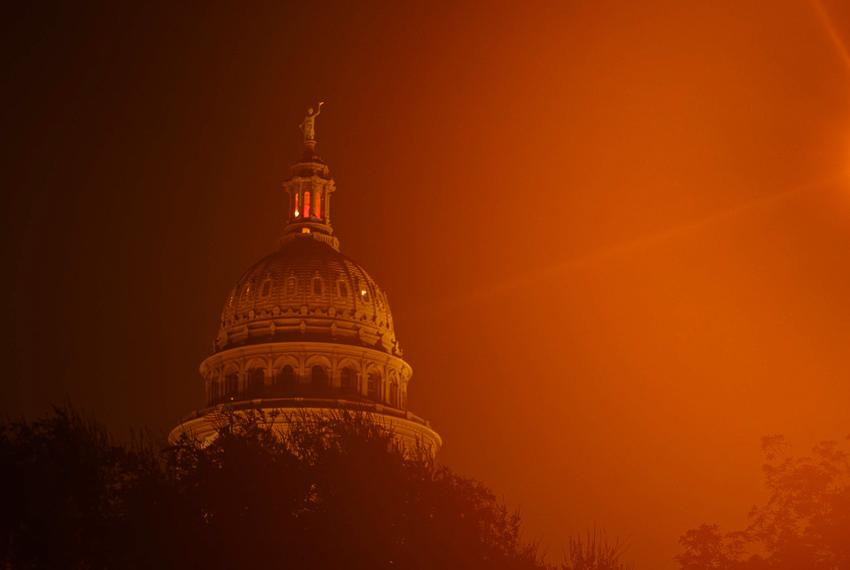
<point x="306" y="330"/>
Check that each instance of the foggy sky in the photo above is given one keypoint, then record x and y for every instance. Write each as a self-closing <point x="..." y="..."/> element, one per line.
<point x="614" y="235"/>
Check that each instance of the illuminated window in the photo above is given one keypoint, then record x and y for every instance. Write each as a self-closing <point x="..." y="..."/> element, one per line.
<point x="305" y="230"/>
<point x="342" y="289"/>
<point x="317" y="207"/>
<point x="364" y="293"/>
<point x="317" y="286"/>
<point x="297" y="213"/>
<point x="306" y="204"/>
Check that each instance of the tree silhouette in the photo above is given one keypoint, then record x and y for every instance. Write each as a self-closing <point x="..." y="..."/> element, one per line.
<point x="805" y="524"/>
<point x="335" y="492"/>
<point x="706" y="547"/>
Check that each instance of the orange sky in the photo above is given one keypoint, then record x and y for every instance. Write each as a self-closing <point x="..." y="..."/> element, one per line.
<point x="614" y="234"/>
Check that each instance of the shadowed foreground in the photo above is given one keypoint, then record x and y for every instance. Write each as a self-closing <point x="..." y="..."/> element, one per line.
<point x="334" y="493"/>
<point x="340" y="492"/>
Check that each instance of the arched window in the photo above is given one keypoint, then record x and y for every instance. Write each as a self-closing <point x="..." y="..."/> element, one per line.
<point x="291" y="286"/>
<point x="306" y="204"/>
<point x="297" y="211"/>
<point x="364" y="292"/>
<point x="256" y="379"/>
<point x="394" y="394"/>
<point x="373" y="386"/>
<point x="319" y="378"/>
<point x="286" y="379"/>
<point x="341" y="289"/>
<point x="317" y="285"/>
<point x="348" y="380"/>
<point x="267" y="288"/>
<point x="317" y="207"/>
<point x="231" y="385"/>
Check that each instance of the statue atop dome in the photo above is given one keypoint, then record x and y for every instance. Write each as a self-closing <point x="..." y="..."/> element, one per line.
<point x="308" y="125"/>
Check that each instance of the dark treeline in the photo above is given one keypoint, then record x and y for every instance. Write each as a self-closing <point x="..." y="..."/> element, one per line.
<point x="340" y="493"/>
<point x="335" y="493"/>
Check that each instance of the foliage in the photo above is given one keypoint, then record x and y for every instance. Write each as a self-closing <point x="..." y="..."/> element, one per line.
<point x="706" y="547"/>
<point x="805" y="523"/>
<point x="333" y="493"/>
<point x="593" y="551"/>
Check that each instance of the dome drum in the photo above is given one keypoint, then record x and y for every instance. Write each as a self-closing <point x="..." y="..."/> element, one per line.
<point x="411" y="431"/>
<point x="308" y="369"/>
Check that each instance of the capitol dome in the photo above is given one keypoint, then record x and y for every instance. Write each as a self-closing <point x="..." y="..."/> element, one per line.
<point x="306" y="330"/>
<point x="307" y="290"/>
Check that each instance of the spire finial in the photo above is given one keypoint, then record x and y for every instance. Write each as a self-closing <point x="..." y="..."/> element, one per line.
<point x="308" y="126"/>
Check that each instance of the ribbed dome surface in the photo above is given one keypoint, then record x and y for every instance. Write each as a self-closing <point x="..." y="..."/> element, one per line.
<point x="307" y="291"/>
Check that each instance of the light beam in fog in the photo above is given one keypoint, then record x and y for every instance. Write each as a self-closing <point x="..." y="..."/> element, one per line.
<point x="527" y="279"/>
<point x="834" y="37"/>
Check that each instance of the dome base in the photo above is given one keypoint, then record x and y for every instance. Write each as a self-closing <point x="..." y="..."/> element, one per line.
<point x="411" y="431"/>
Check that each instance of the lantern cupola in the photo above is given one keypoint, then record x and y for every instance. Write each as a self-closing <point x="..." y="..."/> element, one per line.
<point x="309" y="189"/>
